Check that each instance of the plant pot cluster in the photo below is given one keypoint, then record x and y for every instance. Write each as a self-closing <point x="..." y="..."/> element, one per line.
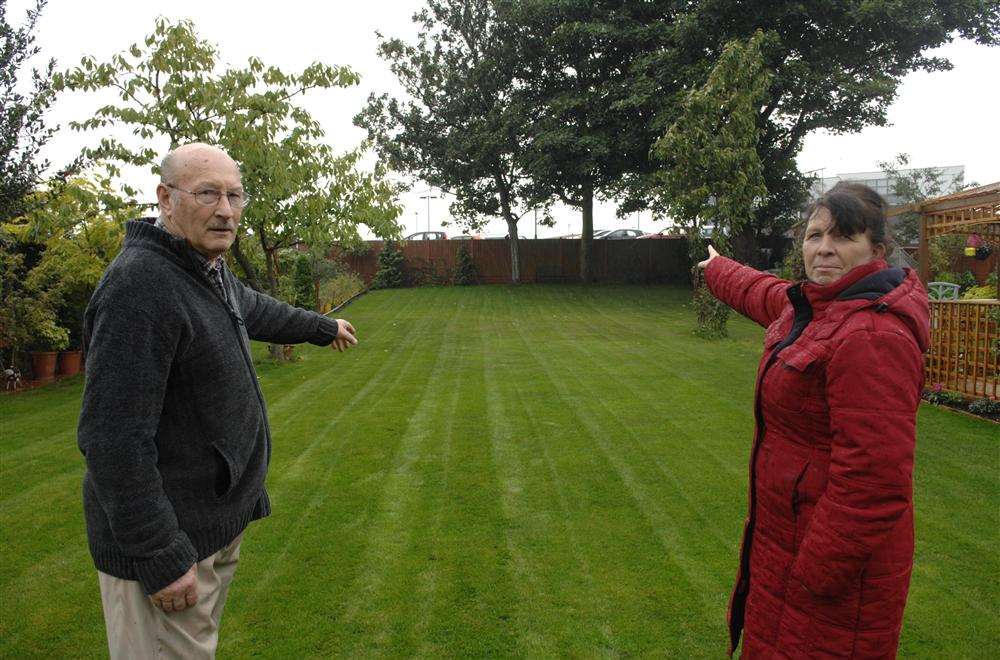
<point x="46" y="365"/>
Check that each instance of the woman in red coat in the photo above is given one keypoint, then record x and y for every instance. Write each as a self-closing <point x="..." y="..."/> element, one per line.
<point x="828" y="541"/>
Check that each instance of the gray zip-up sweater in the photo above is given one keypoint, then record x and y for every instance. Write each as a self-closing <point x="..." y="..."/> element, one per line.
<point x="173" y="426"/>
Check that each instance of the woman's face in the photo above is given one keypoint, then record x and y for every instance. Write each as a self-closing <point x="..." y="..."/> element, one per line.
<point x="828" y="255"/>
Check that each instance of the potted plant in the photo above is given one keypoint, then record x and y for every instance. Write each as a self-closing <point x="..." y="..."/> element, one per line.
<point x="44" y="349"/>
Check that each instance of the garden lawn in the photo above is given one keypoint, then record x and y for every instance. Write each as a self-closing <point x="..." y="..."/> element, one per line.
<point x="508" y="471"/>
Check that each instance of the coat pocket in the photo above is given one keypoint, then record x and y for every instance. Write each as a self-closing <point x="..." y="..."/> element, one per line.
<point x="229" y="466"/>
<point x="793" y="379"/>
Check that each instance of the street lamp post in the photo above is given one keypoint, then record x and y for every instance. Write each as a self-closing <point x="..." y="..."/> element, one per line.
<point x="429" y="198"/>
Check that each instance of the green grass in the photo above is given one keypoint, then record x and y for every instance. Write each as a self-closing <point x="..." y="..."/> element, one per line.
<point x="532" y="471"/>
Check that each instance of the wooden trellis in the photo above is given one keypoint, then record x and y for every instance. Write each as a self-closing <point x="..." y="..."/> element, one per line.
<point x="963" y="356"/>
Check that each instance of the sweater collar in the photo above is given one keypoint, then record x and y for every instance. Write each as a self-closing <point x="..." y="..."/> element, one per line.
<point x="144" y="233"/>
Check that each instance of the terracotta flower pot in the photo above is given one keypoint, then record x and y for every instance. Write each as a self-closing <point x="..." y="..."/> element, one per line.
<point x="43" y="365"/>
<point x="69" y="363"/>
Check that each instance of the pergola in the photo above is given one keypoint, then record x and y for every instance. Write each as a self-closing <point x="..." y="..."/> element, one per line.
<point x="973" y="211"/>
<point x="964" y="355"/>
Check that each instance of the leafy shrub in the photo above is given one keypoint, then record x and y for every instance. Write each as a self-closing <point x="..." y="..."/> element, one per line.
<point x="465" y="269"/>
<point x="985" y="407"/>
<point x="976" y="292"/>
<point x="303" y="289"/>
<point x="339" y="289"/>
<point x="390" y="267"/>
<point x="792" y="266"/>
<point x="938" y="396"/>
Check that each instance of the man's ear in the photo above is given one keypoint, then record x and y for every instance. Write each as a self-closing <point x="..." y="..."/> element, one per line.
<point x="879" y="251"/>
<point x="163" y="197"/>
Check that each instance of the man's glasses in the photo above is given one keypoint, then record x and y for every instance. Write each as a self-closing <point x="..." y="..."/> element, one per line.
<point x="209" y="197"/>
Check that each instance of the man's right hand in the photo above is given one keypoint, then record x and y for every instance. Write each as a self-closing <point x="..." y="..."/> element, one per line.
<point x="179" y="594"/>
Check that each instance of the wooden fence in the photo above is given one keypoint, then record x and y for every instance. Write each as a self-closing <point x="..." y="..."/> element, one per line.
<point x="542" y="260"/>
<point x="963" y="356"/>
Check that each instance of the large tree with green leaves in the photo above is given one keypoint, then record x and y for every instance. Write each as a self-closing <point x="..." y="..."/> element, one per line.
<point x="713" y="179"/>
<point x="462" y="129"/>
<point x="172" y="87"/>
<point x="836" y="66"/>
<point x="22" y="112"/>
<point x="588" y="129"/>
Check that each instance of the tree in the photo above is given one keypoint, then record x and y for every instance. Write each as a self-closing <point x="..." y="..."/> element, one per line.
<point x="171" y="87"/>
<point x="912" y="186"/>
<point x="22" y="128"/>
<point x="836" y="66"/>
<point x="462" y="130"/>
<point x="586" y="132"/>
<point x="713" y="178"/>
<point x="389" y="274"/>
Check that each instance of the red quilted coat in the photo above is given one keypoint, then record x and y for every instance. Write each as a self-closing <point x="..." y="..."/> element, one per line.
<point x="828" y="542"/>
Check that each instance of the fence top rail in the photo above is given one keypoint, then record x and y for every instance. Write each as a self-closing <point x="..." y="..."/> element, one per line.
<point x="982" y="301"/>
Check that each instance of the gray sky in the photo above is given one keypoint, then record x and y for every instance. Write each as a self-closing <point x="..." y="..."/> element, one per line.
<point x="939" y="119"/>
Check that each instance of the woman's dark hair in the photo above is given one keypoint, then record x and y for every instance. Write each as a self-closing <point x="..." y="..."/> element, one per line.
<point x="855" y="209"/>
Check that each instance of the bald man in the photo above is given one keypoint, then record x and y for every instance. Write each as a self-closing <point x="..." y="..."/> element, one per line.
<point x="173" y="426"/>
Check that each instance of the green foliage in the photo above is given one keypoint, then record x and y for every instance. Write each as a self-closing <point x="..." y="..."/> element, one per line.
<point x="462" y="130"/>
<point x="22" y="128"/>
<point x="942" y="251"/>
<point x="339" y="289"/>
<point x="712" y="176"/>
<point x="940" y="396"/>
<point x="171" y="88"/>
<point x="303" y="288"/>
<point x="76" y="228"/>
<point x="915" y="185"/>
<point x="986" y="291"/>
<point x="793" y="266"/>
<point x="836" y="65"/>
<point x="27" y="319"/>
<point x="389" y="274"/>
<point x="466" y="271"/>
<point x="985" y="407"/>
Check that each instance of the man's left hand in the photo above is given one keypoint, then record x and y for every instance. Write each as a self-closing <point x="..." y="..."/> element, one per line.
<point x="345" y="336"/>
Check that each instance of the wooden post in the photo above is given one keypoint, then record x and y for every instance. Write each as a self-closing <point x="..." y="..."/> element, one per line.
<point x="923" y="254"/>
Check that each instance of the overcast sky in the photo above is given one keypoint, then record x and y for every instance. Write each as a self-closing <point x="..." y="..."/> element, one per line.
<point x="939" y="119"/>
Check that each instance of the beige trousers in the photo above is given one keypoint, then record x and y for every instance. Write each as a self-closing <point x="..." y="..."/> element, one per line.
<point x="138" y="629"/>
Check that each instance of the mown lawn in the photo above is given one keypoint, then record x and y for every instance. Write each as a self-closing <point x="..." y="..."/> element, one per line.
<point x="536" y="471"/>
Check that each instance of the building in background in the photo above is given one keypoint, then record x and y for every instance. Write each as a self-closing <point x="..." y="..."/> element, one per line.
<point x="881" y="183"/>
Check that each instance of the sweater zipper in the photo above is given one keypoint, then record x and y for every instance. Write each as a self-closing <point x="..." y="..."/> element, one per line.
<point x="247" y="359"/>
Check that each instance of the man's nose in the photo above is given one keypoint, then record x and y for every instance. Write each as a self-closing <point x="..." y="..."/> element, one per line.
<point x="224" y="208"/>
<point x="826" y="245"/>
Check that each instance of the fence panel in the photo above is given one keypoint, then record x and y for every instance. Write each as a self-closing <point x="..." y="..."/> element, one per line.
<point x="542" y="260"/>
<point x="963" y="356"/>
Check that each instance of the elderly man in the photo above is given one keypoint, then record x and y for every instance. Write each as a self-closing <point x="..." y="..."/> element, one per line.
<point x="173" y="426"/>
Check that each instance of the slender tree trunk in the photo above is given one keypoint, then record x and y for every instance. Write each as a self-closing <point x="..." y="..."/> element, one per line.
<point x="515" y="253"/>
<point x="587" y="236"/>
<point x="271" y="260"/>
<point x="249" y="272"/>
<point x="508" y="214"/>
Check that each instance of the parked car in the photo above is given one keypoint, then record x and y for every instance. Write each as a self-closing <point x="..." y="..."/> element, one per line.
<point x="598" y="233"/>
<point x="669" y="232"/>
<point x="467" y="237"/>
<point x="427" y="236"/>
<point x="620" y="234"/>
